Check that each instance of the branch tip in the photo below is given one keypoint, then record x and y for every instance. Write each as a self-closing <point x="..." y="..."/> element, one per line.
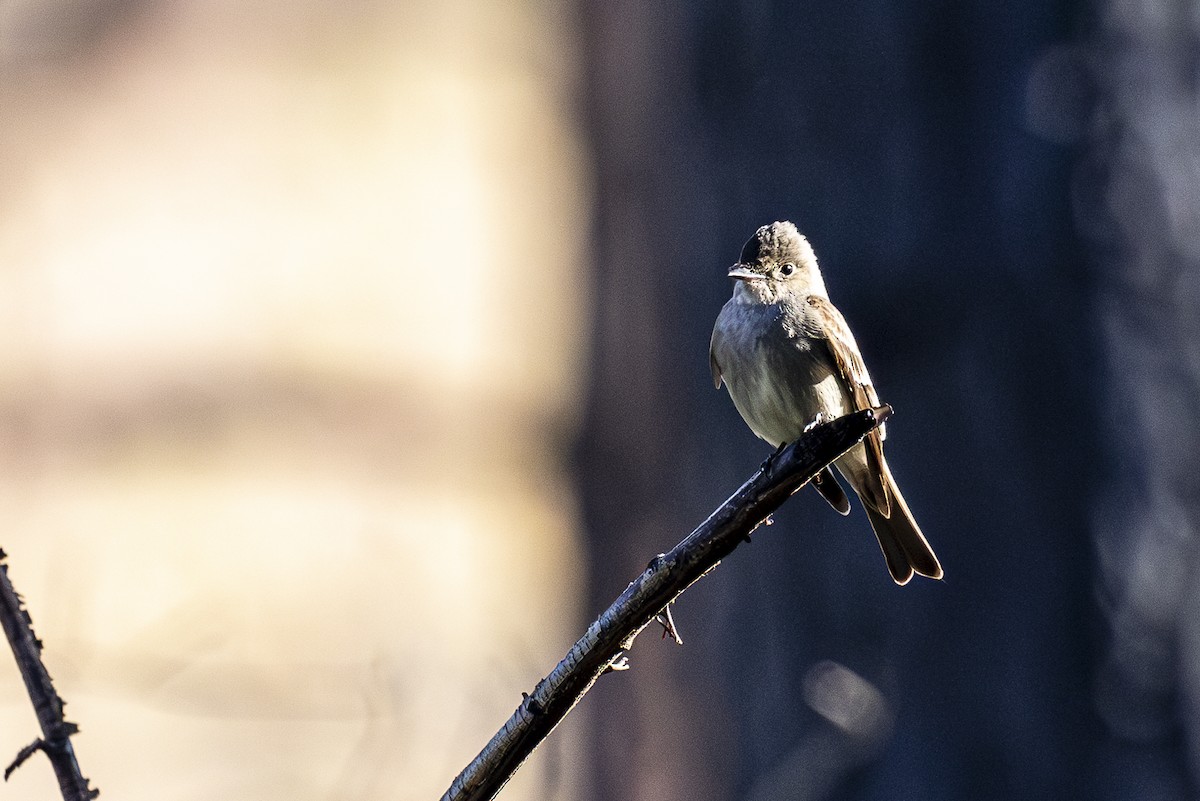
<point x="649" y="596"/>
<point x="24" y="754"/>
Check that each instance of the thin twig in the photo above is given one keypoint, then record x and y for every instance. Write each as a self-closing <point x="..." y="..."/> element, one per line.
<point x="55" y="741"/>
<point x="601" y="649"/>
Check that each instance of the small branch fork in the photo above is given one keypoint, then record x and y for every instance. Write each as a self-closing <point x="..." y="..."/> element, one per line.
<point x="55" y="741"/>
<point x="602" y="648"/>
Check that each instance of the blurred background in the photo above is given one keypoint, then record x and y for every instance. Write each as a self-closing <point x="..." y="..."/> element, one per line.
<point x="353" y="357"/>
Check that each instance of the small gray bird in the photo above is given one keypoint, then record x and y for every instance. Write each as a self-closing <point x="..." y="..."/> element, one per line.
<point x="789" y="361"/>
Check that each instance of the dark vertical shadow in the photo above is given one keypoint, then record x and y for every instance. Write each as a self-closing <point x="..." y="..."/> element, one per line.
<point x="896" y="136"/>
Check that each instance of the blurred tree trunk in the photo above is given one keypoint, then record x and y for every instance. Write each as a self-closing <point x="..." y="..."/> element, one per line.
<point x="1138" y="202"/>
<point x="895" y="135"/>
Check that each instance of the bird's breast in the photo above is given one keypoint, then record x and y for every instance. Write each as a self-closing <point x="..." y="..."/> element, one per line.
<point x="779" y="378"/>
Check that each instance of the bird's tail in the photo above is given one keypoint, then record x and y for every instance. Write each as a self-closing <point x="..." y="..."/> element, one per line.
<point x="904" y="546"/>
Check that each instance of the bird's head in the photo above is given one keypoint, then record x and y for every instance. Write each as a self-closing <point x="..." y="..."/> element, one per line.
<point x="776" y="261"/>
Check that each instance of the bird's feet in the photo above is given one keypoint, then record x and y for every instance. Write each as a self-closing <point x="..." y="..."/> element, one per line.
<point x="770" y="460"/>
<point x="820" y="419"/>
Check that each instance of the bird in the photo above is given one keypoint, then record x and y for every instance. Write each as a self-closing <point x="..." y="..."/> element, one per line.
<point x="789" y="361"/>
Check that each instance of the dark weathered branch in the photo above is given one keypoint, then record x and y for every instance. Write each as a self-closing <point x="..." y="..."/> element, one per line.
<point x="56" y="731"/>
<point x="668" y="575"/>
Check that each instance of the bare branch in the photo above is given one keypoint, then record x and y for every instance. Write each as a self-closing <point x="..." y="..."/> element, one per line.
<point x="56" y="731"/>
<point x="601" y="649"/>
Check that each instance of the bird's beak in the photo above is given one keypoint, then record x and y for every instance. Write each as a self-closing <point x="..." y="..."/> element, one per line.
<point x="743" y="273"/>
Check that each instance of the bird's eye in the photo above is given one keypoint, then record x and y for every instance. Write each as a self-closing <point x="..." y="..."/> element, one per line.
<point x="787" y="269"/>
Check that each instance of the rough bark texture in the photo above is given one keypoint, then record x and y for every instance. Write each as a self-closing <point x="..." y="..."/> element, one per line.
<point x="56" y="730"/>
<point x="667" y="576"/>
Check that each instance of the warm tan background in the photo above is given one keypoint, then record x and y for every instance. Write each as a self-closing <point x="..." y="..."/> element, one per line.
<point x="289" y="350"/>
<point x="259" y="271"/>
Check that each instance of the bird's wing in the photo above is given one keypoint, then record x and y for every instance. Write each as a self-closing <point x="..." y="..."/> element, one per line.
<point x="712" y="354"/>
<point x="832" y="328"/>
